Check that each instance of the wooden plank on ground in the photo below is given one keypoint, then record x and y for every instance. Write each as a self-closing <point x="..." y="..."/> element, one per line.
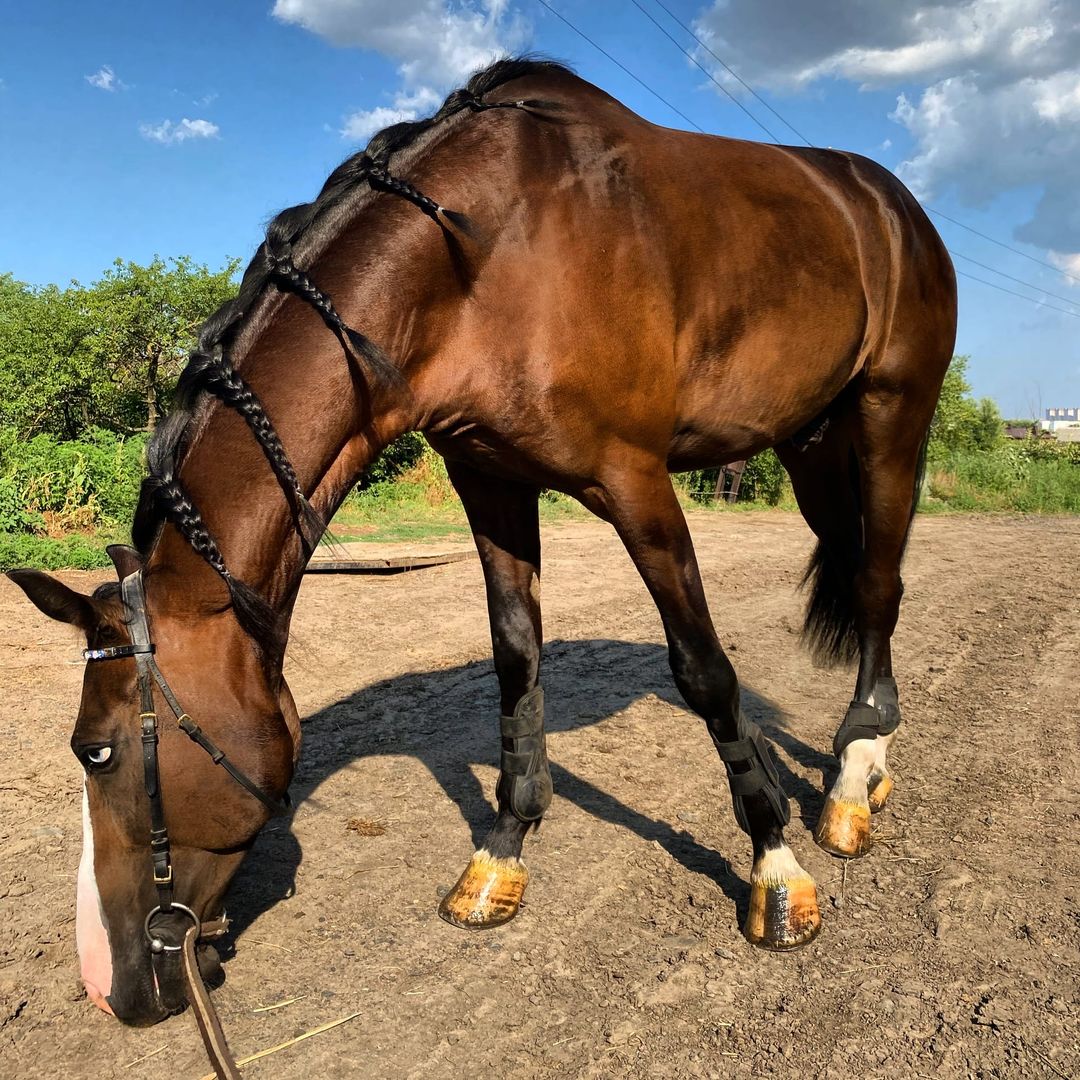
<point x="397" y="564"/>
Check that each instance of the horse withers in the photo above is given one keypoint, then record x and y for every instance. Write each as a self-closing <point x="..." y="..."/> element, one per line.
<point x="557" y="294"/>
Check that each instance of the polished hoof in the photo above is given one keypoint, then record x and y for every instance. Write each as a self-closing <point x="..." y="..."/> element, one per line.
<point x="843" y="829"/>
<point x="783" y="914"/>
<point x="487" y="894"/>
<point x="878" y="789"/>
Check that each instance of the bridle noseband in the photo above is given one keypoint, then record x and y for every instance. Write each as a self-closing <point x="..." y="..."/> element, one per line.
<point x="148" y="673"/>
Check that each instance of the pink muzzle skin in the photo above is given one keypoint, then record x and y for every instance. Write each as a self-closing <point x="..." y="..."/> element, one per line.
<point x="91" y="937"/>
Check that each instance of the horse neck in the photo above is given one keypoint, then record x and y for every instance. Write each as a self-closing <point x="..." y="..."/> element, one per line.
<point x="332" y="421"/>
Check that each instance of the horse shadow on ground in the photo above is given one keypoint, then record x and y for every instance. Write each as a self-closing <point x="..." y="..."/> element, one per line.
<point x="446" y="718"/>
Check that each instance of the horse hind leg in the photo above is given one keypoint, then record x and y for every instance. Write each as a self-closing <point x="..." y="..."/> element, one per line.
<point x="856" y="491"/>
<point x="503" y="517"/>
<point x="859" y="495"/>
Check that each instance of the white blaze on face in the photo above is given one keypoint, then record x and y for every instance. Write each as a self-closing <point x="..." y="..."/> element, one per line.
<point x="91" y="937"/>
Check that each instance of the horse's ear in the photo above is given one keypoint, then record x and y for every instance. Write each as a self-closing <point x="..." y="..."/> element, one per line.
<point x="55" y="599"/>
<point x="126" y="560"/>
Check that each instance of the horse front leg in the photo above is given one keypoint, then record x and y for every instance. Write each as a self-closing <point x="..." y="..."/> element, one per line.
<point x="783" y="910"/>
<point x="504" y="520"/>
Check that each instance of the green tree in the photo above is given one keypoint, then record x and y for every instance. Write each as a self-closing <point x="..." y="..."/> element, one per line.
<point x="960" y="422"/>
<point x="956" y="414"/>
<point x="105" y="355"/>
<point x="989" y="430"/>
<point x="46" y="378"/>
<point x="145" y="320"/>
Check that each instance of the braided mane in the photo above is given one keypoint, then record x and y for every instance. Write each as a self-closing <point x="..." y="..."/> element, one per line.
<point x="210" y="371"/>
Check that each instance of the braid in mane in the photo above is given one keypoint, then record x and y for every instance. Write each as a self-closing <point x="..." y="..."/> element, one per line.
<point x="215" y="374"/>
<point x="280" y="269"/>
<point x="252" y="612"/>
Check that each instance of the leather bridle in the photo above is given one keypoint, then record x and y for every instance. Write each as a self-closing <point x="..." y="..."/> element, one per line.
<point x="148" y="674"/>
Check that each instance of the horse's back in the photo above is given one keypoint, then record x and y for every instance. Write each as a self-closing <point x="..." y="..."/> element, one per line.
<point x="688" y="294"/>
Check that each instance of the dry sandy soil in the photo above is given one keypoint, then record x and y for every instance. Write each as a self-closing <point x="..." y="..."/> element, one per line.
<point x="950" y="950"/>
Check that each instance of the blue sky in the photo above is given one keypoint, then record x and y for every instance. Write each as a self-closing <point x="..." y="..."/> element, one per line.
<point x="134" y="129"/>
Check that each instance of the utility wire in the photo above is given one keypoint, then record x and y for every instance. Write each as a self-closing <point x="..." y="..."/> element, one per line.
<point x="678" y="112"/>
<point x="694" y="60"/>
<point x="734" y="74"/>
<point x="623" y="67"/>
<point x="1012" y="292"/>
<point x="1007" y="247"/>
<point x="1009" y="277"/>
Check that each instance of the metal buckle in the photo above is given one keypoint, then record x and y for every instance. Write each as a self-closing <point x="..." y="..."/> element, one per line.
<point x="166" y="880"/>
<point x="157" y="945"/>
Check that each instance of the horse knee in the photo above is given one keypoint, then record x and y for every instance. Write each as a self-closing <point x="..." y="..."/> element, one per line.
<point x="707" y="681"/>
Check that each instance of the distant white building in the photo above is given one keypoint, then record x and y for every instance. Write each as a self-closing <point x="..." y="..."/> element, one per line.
<point x="1057" y="421"/>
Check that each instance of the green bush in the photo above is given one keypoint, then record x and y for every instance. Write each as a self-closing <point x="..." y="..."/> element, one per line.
<point x="72" y="552"/>
<point x="403" y="454"/>
<point x="763" y="480"/>
<point x="57" y="486"/>
<point x="1031" y="477"/>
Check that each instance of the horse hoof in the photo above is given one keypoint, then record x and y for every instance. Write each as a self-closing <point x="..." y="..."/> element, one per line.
<point x="878" y="789"/>
<point x="843" y="829"/>
<point x="783" y="903"/>
<point x="487" y="894"/>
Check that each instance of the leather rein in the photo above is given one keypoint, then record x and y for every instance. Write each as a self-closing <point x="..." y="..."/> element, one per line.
<point x="148" y="674"/>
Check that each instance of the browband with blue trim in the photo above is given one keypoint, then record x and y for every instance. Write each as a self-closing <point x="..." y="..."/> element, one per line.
<point x="116" y="652"/>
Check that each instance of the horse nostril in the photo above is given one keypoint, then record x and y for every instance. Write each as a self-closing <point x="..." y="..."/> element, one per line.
<point x="210" y="968"/>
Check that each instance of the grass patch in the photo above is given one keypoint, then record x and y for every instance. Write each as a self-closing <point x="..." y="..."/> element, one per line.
<point x="421" y="505"/>
<point x="1009" y="479"/>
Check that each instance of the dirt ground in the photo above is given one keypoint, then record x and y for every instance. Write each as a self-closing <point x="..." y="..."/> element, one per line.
<point x="950" y="951"/>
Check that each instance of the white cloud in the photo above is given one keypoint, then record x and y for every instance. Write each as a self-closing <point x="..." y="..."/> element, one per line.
<point x="105" y="79"/>
<point x="1069" y="263"/>
<point x="361" y="125"/>
<point x="997" y="101"/>
<point x="168" y="131"/>
<point x="436" y="44"/>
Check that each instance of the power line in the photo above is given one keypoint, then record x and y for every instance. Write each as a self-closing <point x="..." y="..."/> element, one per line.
<point x="641" y="82"/>
<point x="1007" y="247"/>
<point x="758" y="97"/>
<point x="694" y="60"/>
<point x="1009" y="277"/>
<point x="623" y="67"/>
<point x="1012" y="292"/>
<point x="734" y="74"/>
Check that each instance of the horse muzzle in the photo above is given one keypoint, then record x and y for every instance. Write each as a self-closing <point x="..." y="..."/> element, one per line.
<point x="151" y="985"/>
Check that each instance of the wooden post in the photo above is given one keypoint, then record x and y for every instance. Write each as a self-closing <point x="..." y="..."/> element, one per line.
<point x="728" y="481"/>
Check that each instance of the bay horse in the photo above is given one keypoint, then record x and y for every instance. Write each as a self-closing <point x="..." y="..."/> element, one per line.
<point x="558" y="294"/>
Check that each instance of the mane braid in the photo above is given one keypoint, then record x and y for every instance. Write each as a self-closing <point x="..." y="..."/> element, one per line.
<point x="215" y="374"/>
<point x="209" y="369"/>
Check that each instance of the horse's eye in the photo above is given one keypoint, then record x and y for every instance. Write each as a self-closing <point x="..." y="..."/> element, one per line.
<point x="96" y="757"/>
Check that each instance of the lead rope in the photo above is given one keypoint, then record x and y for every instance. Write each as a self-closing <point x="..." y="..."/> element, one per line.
<point x="202" y="1008"/>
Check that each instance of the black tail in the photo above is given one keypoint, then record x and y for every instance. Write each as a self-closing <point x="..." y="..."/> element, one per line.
<point x="829" y="625"/>
<point x="829" y="630"/>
